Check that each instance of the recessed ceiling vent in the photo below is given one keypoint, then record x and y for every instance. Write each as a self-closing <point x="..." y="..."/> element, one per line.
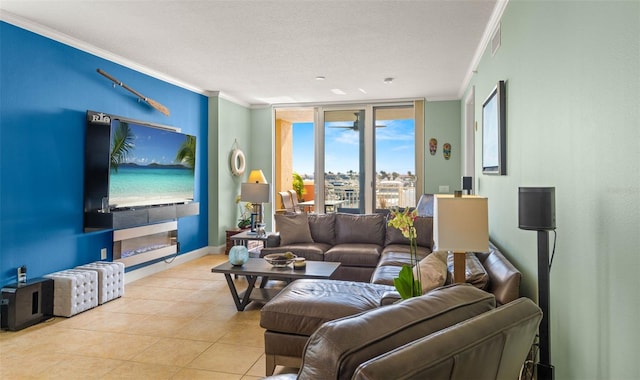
<point x="495" y="41"/>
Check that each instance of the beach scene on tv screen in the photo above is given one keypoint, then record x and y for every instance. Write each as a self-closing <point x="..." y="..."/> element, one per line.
<point x="150" y="166"/>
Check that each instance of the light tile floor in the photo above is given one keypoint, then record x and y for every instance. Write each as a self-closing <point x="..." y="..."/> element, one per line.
<point x="177" y="324"/>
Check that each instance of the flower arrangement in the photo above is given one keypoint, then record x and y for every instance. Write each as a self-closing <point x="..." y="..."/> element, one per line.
<point x="406" y="284"/>
<point x="245" y="213"/>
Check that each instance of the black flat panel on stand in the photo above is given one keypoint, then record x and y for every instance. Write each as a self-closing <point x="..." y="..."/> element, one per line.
<point x="96" y="185"/>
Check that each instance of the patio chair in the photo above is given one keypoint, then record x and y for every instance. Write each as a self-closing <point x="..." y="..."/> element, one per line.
<point x="294" y="198"/>
<point x="287" y="203"/>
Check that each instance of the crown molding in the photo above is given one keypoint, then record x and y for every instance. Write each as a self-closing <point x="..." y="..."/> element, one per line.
<point x="55" y="35"/>
<point x="232" y="99"/>
<point x="350" y="103"/>
<point x="441" y="98"/>
<point x="88" y="48"/>
<point x="496" y="15"/>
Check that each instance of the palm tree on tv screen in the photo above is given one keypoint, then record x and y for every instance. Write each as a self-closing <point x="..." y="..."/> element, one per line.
<point x="121" y="145"/>
<point x="187" y="152"/>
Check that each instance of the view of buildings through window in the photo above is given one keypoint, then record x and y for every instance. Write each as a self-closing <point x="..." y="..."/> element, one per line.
<point x="393" y="162"/>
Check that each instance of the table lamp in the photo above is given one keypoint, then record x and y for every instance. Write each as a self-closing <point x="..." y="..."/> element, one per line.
<point x="256" y="191"/>
<point x="460" y="225"/>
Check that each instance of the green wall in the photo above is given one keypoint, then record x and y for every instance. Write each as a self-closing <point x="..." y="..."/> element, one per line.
<point x="573" y="94"/>
<point x="229" y="125"/>
<point x="262" y="155"/>
<point x="442" y="122"/>
<point x="232" y="125"/>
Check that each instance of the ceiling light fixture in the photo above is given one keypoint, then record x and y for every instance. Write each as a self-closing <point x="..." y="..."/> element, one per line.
<point x="388" y="80"/>
<point x="338" y="91"/>
<point x="362" y="90"/>
<point x="320" y="77"/>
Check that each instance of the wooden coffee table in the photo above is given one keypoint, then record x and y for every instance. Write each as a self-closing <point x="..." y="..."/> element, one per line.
<point x="255" y="268"/>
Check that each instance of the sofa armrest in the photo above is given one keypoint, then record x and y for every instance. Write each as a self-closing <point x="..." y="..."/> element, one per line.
<point x="389" y="298"/>
<point x="492" y="345"/>
<point x="273" y="240"/>
<point x="505" y="277"/>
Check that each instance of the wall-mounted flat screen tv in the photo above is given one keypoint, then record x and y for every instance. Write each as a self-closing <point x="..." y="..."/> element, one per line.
<point x="150" y="165"/>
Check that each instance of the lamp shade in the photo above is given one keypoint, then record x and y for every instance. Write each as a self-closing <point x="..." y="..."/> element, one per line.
<point x="256" y="176"/>
<point x="460" y="224"/>
<point x="254" y="192"/>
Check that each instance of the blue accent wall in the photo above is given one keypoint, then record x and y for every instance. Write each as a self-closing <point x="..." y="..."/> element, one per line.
<point x="45" y="90"/>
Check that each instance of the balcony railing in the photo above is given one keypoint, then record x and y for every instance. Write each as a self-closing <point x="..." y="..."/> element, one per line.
<point x="387" y="196"/>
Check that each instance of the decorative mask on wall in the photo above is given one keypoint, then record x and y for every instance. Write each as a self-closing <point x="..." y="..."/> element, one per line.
<point x="446" y="151"/>
<point x="433" y="146"/>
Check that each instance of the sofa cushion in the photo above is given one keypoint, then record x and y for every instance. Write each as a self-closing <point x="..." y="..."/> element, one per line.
<point x="433" y="271"/>
<point x="304" y="305"/>
<point x="424" y="232"/>
<point x="433" y="275"/>
<point x="404" y="249"/>
<point x="322" y="228"/>
<point x="395" y="258"/>
<point x="355" y="255"/>
<point x="293" y="228"/>
<point x="335" y="350"/>
<point x="360" y="228"/>
<point x="475" y="273"/>
<point x="385" y="274"/>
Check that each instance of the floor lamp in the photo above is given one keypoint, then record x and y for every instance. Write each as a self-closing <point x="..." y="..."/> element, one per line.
<point x="536" y="212"/>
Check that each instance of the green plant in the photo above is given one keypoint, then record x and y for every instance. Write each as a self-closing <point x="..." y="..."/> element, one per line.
<point x="298" y="185"/>
<point x="406" y="284"/>
<point x="245" y="213"/>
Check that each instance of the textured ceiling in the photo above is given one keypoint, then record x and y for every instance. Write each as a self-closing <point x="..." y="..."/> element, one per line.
<point x="270" y="52"/>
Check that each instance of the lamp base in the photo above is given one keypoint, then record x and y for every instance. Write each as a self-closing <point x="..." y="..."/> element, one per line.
<point x="459" y="267"/>
<point x="259" y="217"/>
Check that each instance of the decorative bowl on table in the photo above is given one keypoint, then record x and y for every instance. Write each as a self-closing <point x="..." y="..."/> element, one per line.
<point x="280" y="260"/>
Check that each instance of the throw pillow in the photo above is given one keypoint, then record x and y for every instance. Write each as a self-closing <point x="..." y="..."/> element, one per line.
<point x="293" y="229"/>
<point x="322" y="228"/>
<point x="433" y="271"/>
<point x="475" y="273"/>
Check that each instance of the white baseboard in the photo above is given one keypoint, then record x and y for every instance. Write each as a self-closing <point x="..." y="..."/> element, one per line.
<point x="162" y="266"/>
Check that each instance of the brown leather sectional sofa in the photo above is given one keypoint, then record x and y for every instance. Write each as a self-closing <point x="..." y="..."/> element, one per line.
<point x="371" y="255"/>
<point x="454" y="332"/>
<point x="370" y="251"/>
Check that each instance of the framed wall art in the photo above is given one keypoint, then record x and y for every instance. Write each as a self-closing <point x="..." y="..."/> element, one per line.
<point x="494" y="128"/>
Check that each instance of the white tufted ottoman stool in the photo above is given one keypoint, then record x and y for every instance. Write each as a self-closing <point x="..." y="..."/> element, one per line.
<point x="74" y="291"/>
<point x="110" y="279"/>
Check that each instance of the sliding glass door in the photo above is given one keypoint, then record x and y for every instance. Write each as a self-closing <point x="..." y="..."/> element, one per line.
<point x="364" y="157"/>
<point x="395" y="157"/>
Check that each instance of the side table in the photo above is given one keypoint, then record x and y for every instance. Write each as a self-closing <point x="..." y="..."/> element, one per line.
<point x="228" y="242"/>
<point x="245" y="237"/>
